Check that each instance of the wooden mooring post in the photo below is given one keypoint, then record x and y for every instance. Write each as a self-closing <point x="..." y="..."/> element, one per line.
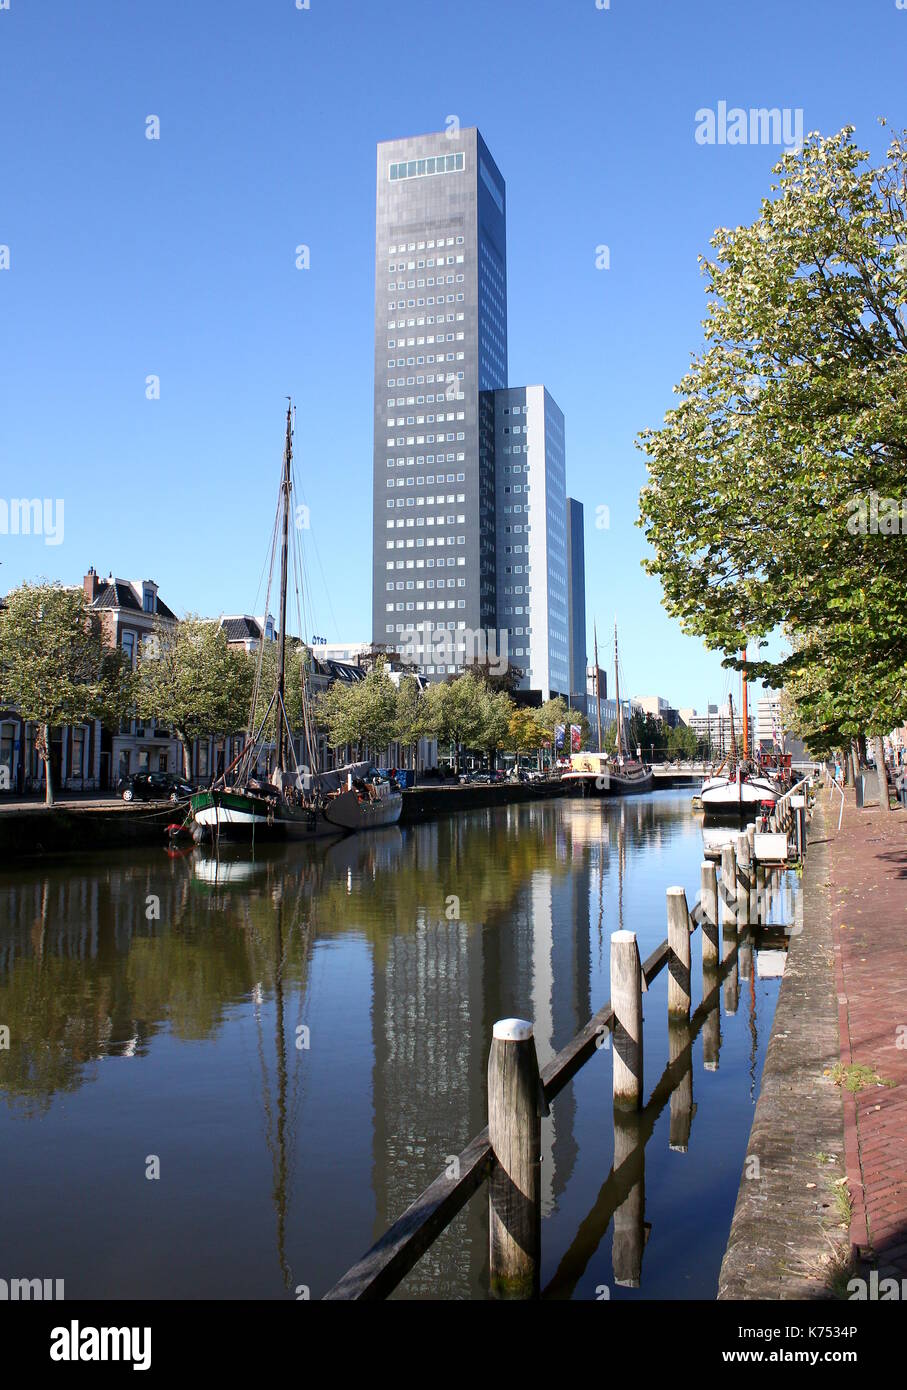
<point x="711" y="957"/>
<point x="728" y="884"/>
<point x="679" y="963"/>
<point x="742" y="875"/>
<point x="626" y="1001"/>
<point x="515" y="1101"/>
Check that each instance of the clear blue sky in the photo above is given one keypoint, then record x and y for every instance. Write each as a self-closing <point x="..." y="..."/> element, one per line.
<point x="176" y="257"/>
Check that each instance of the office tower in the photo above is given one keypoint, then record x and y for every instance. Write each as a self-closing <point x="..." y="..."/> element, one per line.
<point x="576" y="601"/>
<point x="440" y="339"/>
<point x="528" y="467"/>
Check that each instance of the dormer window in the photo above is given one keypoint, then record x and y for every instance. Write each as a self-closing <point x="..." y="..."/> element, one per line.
<point x="148" y="598"/>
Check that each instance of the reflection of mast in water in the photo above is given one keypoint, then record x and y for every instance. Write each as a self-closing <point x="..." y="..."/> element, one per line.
<point x="620" y="866"/>
<point x="280" y="1116"/>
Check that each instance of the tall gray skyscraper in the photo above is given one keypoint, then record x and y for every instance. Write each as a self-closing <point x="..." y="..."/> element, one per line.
<point x="440" y="340"/>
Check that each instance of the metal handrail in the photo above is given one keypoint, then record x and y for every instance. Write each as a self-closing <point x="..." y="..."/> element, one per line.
<point x="832" y="783"/>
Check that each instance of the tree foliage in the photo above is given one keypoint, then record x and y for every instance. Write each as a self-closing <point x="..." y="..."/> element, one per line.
<point x="190" y="679"/>
<point x="56" y="664"/>
<point x="794" y="413"/>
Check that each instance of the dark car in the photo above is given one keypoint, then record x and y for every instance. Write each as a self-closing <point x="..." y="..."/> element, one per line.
<point x="153" y="786"/>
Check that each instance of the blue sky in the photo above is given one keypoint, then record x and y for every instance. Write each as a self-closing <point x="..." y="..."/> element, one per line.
<point x="176" y="257"/>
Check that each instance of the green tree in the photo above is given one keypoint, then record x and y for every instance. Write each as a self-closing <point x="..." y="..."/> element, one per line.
<point x="192" y="681"/>
<point x="759" y="500"/>
<point x="362" y="714"/>
<point x="497" y="710"/>
<point x="56" y="665"/>
<point x="413" y="715"/>
<point x="459" y="712"/>
<point x="524" y="733"/>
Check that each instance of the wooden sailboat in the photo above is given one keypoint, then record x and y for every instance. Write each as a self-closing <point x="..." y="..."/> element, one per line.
<point x="597" y="774"/>
<point x="627" y="774"/>
<point x="294" y="802"/>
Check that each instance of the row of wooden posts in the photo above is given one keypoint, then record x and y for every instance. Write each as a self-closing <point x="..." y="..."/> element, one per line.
<point x="508" y="1152"/>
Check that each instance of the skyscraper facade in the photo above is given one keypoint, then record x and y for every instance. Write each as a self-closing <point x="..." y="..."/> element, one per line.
<point x="440" y="340"/>
<point x="529" y="472"/>
<point x="576" y="585"/>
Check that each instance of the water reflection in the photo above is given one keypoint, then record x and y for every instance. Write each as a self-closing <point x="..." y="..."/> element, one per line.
<point x="306" y="1035"/>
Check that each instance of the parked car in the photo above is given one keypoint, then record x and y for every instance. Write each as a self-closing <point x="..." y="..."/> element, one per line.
<point x="153" y="786"/>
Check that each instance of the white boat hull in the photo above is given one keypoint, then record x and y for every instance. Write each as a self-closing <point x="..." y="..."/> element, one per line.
<point x="721" y="795"/>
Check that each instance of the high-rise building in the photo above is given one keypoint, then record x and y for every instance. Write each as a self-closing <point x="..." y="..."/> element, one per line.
<point x="524" y="456"/>
<point x="576" y="601"/>
<point x="474" y="555"/>
<point x="440" y="339"/>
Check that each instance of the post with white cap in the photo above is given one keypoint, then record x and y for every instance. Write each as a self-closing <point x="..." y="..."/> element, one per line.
<point x="728" y="884"/>
<point x="742" y="872"/>
<point x="514" y="1187"/>
<point x="626" y="1001"/>
<point x="798" y="806"/>
<point x="679" y="962"/>
<point x="708" y="896"/>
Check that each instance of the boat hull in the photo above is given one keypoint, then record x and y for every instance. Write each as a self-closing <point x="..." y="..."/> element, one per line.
<point x="586" y="783"/>
<point x="721" y="797"/>
<point x="348" y="813"/>
<point x="619" y="784"/>
<point x="237" y="816"/>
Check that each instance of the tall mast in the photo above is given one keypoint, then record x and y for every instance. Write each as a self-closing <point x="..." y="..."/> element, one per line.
<point x="620" y="718"/>
<point x="598" y="694"/>
<point x="286" y="488"/>
<point x="733" y="755"/>
<point x="746" y="721"/>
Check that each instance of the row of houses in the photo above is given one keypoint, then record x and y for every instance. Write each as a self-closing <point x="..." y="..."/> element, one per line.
<point x="90" y="757"/>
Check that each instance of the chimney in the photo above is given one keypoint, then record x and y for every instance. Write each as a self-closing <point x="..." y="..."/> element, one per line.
<point x="92" y="585"/>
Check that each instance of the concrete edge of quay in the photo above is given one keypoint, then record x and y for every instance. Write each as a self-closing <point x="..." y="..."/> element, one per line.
<point x="787" y="1237"/>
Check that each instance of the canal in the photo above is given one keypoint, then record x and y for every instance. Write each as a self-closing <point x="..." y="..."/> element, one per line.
<point x="225" y="1078"/>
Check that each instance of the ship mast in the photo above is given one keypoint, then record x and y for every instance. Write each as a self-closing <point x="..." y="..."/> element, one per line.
<point x="598" y="699"/>
<point x="620" y="721"/>
<point x="746" y="722"/>
<point x="286" y="488"/>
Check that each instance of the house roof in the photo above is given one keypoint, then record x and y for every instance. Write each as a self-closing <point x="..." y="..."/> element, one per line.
<point x="119" y="593"/>
<point x="241" y="629"/>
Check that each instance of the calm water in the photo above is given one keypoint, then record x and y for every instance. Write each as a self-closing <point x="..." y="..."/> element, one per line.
<point x="301" y="1041"/>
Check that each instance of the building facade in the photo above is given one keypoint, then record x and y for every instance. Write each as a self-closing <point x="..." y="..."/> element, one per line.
<point x="576" y="601"/>
<point x="472" y="557"/>
<point x="440" y="339"/>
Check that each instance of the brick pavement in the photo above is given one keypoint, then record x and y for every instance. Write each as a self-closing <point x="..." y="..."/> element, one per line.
<point x="868" y="878"/>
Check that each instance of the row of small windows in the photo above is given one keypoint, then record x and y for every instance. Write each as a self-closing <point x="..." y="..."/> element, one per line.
<point x="421" y="342"/>
<point x="402" y="440"/>
<point x="426" y="360"/>
<point x="411" y="584"/>
<point x="423" y="245"/>
<point x="427" y="283"/>
<point x="428" y="603"/>
<point x="395" y="267"/>
<point x="419" y="168"/>
<point x="430" y="380"/>
<point x="422" y="320"/>
<point x="421" y="303"/>
<point x="422" y="419"/>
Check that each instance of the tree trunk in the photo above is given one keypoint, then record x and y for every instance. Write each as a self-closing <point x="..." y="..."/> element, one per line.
<point x="48" y="779"/>
<point x="878" y="748"/>
<point x="187" y="760"/>
<point x="848" y="767"/>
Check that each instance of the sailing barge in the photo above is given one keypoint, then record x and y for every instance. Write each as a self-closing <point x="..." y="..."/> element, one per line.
<point x="293" y="803"/>
<point x="595" y="774"/>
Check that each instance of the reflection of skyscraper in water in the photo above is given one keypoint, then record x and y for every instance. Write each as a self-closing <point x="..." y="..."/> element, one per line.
<point x="429" y="1038"/>
<point x="542" y="962"/>
<point x="437" y="992"/>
